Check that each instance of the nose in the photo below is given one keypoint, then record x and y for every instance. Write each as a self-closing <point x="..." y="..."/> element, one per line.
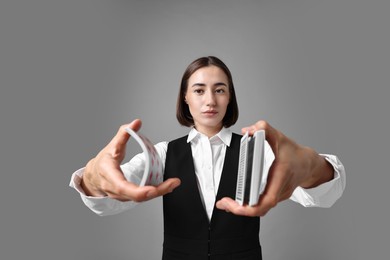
<point x="210" y="98"/>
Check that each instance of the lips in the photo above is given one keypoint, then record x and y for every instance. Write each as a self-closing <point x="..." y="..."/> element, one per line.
<point x="210" y="112"/>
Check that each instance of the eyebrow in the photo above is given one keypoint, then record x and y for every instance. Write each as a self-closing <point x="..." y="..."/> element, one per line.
<point x="203" y="85"/>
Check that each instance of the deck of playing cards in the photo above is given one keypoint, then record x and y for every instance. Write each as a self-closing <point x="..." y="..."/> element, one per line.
<point x="153" y="172"/>
<point x="251" y="179"/>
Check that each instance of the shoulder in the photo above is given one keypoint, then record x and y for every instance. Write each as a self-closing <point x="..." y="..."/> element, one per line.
<point x="235" y="135"/>
<point x="182" y="139"/>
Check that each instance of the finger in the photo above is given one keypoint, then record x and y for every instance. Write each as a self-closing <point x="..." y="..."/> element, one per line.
<point x="126" y="191"/>
<point x="129" y="191"/>
<point x="276" y="183"/>
<point x="122" y="136"/>
<point x="272" y="135"/>
<point x="167" y="186"/>
<point x="232" y="206"/>
<point x="259" y="125"/>
<point x="151" y="192"/>
<point x="250" y="129"/>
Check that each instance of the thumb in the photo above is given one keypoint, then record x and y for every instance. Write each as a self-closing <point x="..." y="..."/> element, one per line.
<point x="122" y="136"/>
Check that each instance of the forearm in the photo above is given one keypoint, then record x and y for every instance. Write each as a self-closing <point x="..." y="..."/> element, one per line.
<point x="327" y="193"/>
<point x="319" y="170"/>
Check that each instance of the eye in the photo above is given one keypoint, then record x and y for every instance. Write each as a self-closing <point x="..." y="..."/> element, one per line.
<point x="220" y="91"/>
<point x="198" y="91"/>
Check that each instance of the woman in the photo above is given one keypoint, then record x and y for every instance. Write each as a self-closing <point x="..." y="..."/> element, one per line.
<point x="201" y="172"/>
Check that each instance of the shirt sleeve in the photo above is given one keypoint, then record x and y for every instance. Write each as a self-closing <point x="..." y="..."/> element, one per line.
<point x="324" y="195"/>
<point x="132" y="170"/>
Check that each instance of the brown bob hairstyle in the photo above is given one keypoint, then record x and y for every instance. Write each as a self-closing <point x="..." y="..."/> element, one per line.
<point x="183" y="114"/>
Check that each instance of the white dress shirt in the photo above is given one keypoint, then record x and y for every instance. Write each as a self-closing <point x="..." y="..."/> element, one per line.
<point x="209" y="155"/>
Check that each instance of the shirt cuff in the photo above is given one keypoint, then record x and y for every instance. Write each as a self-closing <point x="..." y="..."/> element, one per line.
<point x="326" y="194"/>
<point x="102" y="206"/>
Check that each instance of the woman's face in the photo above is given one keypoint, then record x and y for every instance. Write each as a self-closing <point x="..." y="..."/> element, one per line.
<point x="208" y="97"/>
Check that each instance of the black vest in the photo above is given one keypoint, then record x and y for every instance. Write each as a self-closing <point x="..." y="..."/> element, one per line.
<point x="188" y="233"/>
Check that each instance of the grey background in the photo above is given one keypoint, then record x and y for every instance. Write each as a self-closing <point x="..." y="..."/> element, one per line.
<point x="73" y="71"/>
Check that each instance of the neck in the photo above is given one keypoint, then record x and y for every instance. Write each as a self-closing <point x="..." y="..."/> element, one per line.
<point x="209" y="131"/>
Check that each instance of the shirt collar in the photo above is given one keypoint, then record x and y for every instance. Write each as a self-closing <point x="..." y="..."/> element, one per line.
<point x="225" y="135"/>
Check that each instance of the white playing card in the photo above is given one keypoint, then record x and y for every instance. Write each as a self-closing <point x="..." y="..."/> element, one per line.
<point x="153" y="172"/>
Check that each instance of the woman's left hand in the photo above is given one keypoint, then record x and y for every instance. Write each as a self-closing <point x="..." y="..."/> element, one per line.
<point x="294" y="166"/>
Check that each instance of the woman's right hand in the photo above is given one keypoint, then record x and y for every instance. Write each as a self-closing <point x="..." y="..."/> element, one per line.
<point x="104" y="177"/>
